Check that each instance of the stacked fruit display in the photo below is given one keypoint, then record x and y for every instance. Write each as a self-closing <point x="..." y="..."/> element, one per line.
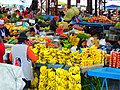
<point x="13" y="29"/>
<point x="74" y="39"/>
<point x="100" y="19"/>
<point x="88" y="57"/>
<point x="115" y="59"/>
<point x="58" y="79"/>
<point x="12" y="40"/>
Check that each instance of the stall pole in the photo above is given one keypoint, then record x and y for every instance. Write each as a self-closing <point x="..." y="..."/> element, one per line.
<point x="95" y="7"/>
<point x="68" y="3"/>
<point x="56" y="7"/>
<point x="47" y="6"/>
<point x="104" y="2"/>
<point x="78" y="3"/>
<point x="89" y="6"/>
<point x="52" y="6"/>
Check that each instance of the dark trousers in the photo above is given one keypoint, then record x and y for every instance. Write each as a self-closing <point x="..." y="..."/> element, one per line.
<point x="28" y="83"/>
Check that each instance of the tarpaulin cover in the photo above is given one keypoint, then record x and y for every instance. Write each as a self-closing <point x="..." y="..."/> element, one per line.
<point x="11" y="77"/>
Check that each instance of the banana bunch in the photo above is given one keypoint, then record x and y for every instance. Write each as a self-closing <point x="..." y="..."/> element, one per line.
<point x="59" y="79"/>
<point x="45" y="28"/>
<point x="74" y="40"/>
<point x="91" y="56"/>
<point x="88" y="57"/>
<point x="63" y="25"/>
<point x="54" y="55"/>
<point x="34" y="83"/>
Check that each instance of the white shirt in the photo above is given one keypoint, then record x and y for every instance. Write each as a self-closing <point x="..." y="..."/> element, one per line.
<point x="3" y="32"/>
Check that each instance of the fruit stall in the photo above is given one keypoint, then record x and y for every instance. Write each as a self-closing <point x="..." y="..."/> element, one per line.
<point x="62" y="64"/>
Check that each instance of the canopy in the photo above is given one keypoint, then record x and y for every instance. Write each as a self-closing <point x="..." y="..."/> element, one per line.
<point x="17" y="2"/>
<point x="112" y="6"/>
<point x="11" y="2"/>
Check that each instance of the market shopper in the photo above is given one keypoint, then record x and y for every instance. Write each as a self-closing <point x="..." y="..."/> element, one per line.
<point x="4" y="32"/>
<point x="2" y="50"/>
<point x="21" y="55"/>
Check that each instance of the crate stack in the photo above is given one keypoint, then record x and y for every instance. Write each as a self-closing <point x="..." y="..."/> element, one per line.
<point x="115" y="59"/>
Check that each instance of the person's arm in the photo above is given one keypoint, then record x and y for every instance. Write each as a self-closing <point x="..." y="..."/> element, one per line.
<point x="31" y="55"/>
<point x="2" y="49"/>
<point x="10" y="56"/>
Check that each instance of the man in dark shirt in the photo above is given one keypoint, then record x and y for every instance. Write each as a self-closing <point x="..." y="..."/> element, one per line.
<point x="53" y="25"/>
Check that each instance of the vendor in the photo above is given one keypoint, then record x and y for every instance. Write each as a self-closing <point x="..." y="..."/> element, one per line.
<point x="81" y="44"/>
<point x="2" y="50"/>
<point x="53" y="25"/>
<point x="4" y="32"/>
<point x="21" y="55"/>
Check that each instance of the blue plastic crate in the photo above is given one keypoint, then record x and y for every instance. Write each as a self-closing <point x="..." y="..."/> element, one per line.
<point x="106" y="72"/>
<point x="48" y="17"/>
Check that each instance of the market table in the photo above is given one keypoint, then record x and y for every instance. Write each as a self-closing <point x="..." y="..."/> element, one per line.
<point x="106" y="73"/>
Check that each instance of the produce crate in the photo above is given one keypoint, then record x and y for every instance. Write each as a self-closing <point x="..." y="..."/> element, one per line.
<point x="113" y="37"/>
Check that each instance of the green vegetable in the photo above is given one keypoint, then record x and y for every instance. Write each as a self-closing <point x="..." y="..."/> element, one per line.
<point x="40" y="17"/>
<point x="2" y="15"/>
<point x="85" y="19"/>
<point x="117" y="24"/>
<point x="83" y="36"/>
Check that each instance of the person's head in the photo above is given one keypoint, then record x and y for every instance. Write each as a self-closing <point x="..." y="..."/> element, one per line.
<point x="1" y="23"/>
<point x="22" y="38"/>
<point x="81" y="43"/>
<point x="36" y="20"/>
<point x="32" y="32"/>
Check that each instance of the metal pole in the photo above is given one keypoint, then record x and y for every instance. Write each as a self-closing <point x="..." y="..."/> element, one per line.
<point x="56" y="7"/>
<point x="52" y="6"/>
<point x="104" y="4"/>
<point x="89" y="6"/>
<point x="95" y="7"/>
